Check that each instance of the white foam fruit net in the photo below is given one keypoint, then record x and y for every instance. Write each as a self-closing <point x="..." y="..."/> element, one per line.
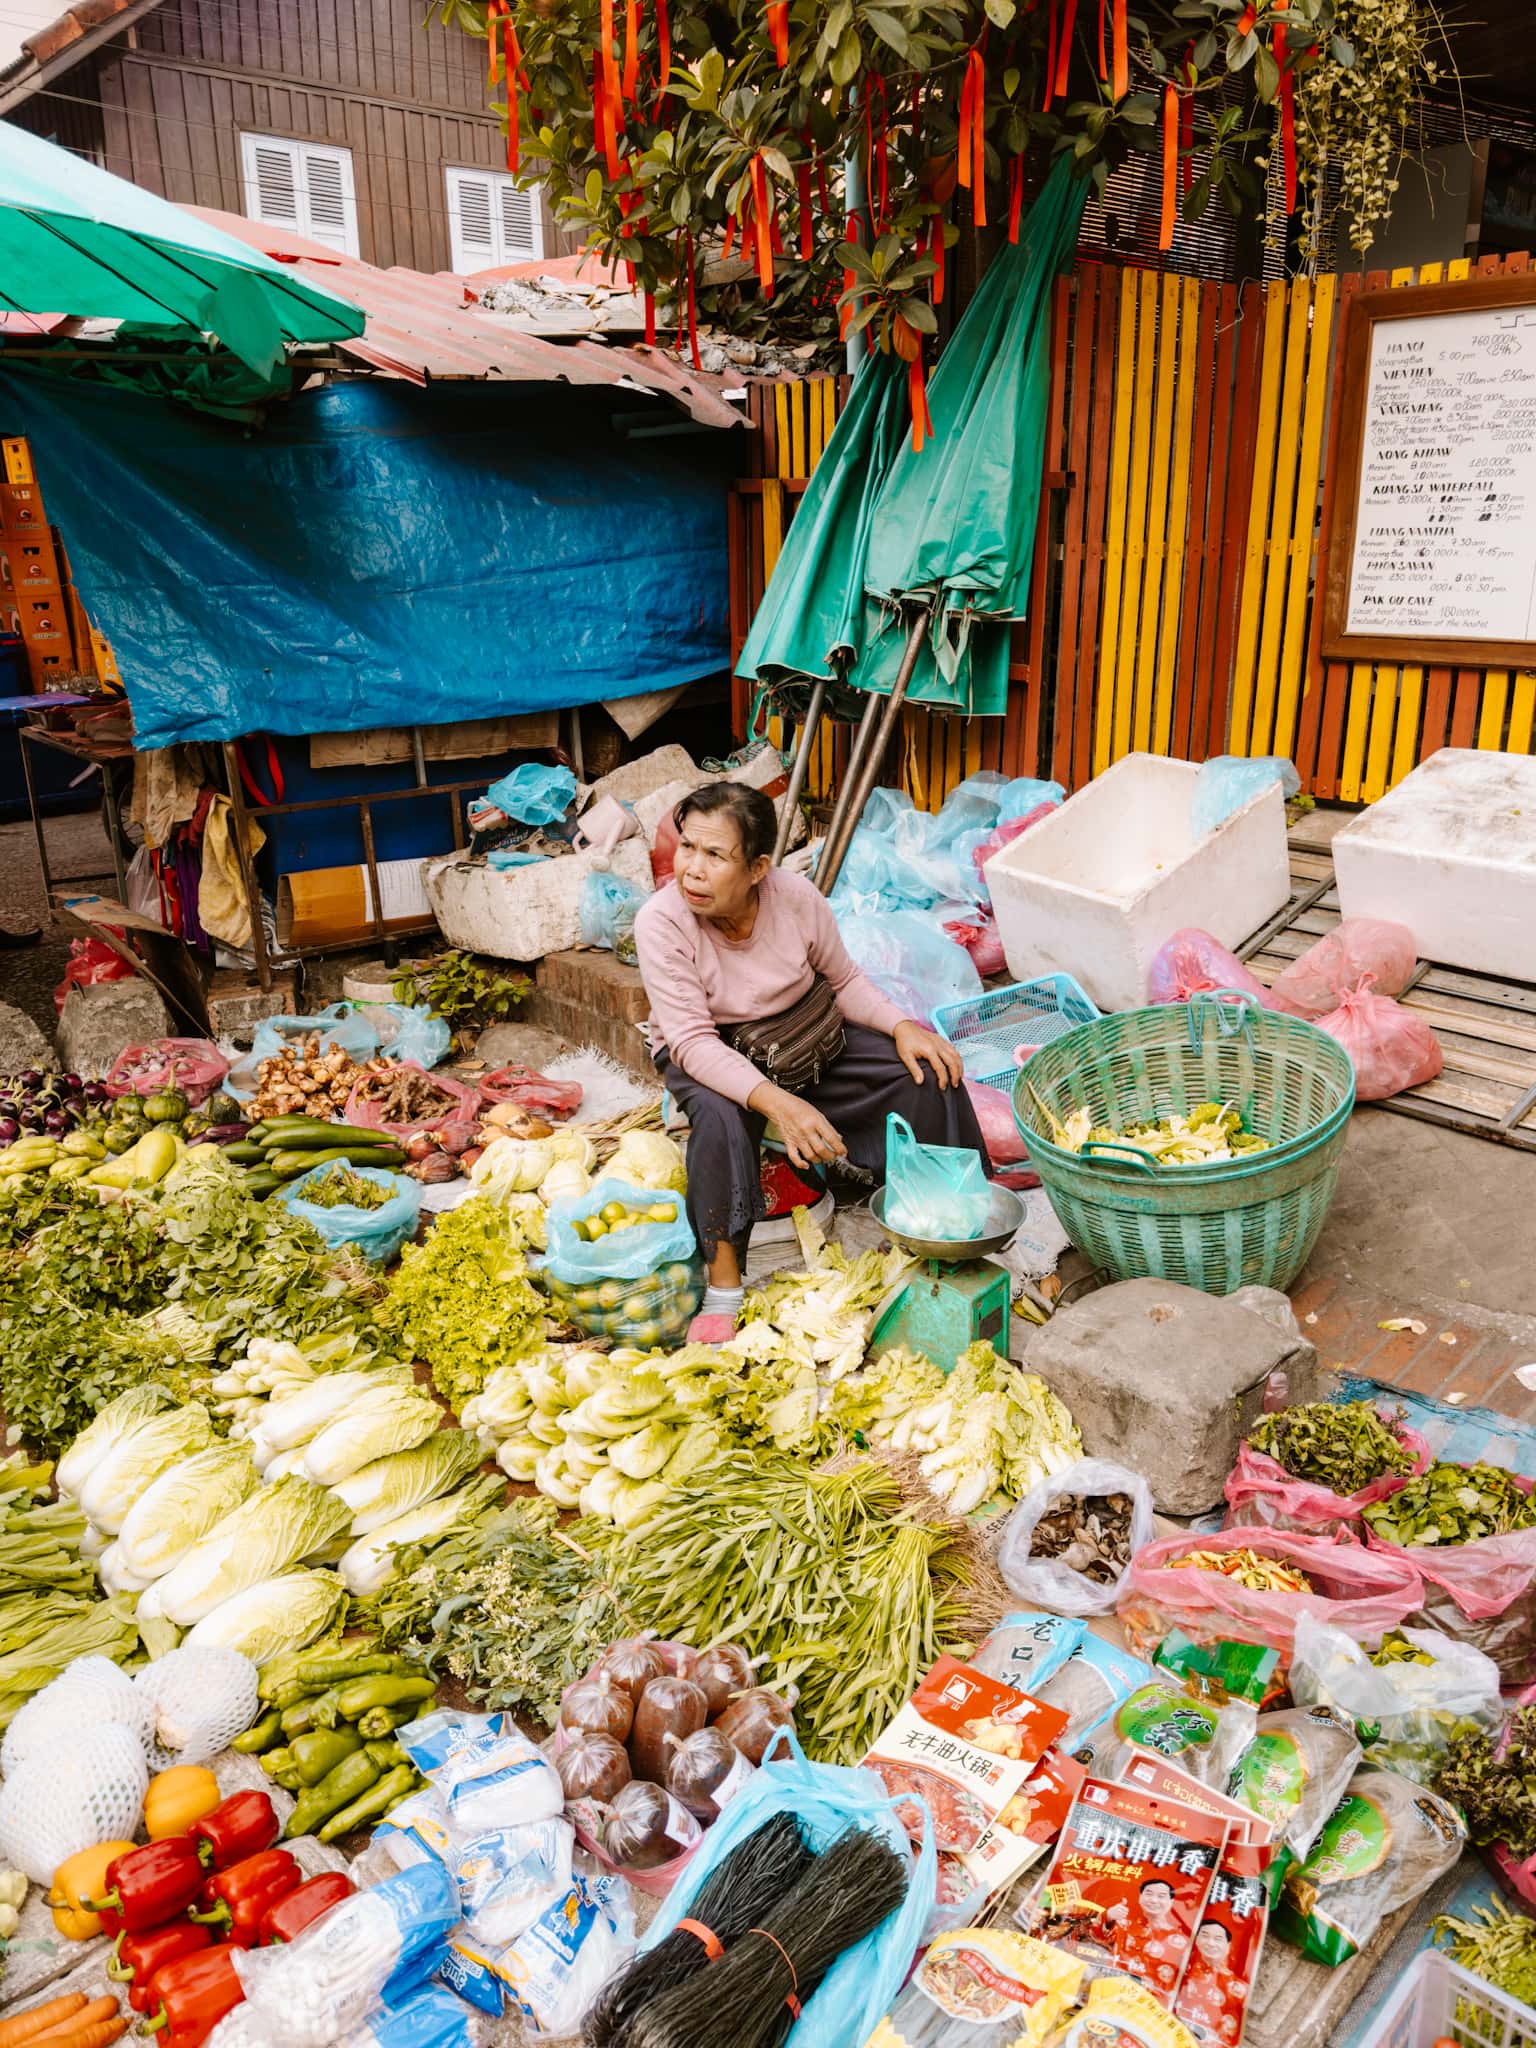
<point x="200" y="1700"/>
<point x="86" y="1694"/>
<point x="85" y="1788"/>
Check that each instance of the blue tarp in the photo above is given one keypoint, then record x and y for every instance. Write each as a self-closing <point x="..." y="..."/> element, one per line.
<point x="381" y="555"/>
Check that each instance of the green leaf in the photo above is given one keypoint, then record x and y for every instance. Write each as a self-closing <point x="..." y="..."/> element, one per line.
<point x="681" y="207"/>
<point x="593" y="190"/>
<point x="837" y="24"/>
<point x="1001" y="12"/>
<point x="919" y="314"/>
<point x="890" y="30"/>
<point x="711" y="76"/>
<point x="1343" y="51"/>
<point x="1011" y="79"/>
<point x="1204" y="53"/>
<point x="847" y="58"/>
<point x="1240" y="50"/>
<point x="1140" y="109"/>
<point x="1266" y="74"/>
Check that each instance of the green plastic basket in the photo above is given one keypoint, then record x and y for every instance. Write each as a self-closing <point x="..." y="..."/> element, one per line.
<point x="1237" y="1223"/>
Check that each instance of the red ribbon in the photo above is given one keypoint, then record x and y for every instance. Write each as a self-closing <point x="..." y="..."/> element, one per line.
<point x="778" y="30"/>
<point x="876" y="156"/>
<point x="663" y="48"/>
<point x="515" y="80"/>
<point x="631" y="49"/>
<point x="936" y="251"/>
<point x="650" y="319"/>
<point x="1064" y="48"/>
<point x="1170" y="166"/>
<point x="1120" y="84"/>
<point x="730" y="235"/>
<point x="972" y="172"/>
<point x="1015" y="197"/>
<point x="693" y="310"/>
<point x="761" y="224"/>
<point x="1103" y="53"/>
<point x="1287" y="111"/>
<point x="495" y="11"/>
<point x="917" y="399"/>
<point x="1246" y="20"/>
<point x="1050" y="57"/>
<point x="608" y="95"/>
<point x="845" y="311"/>
<point x="803" y="194"/>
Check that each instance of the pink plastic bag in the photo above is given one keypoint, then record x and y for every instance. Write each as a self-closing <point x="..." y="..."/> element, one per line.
<point x="1391" y="1048"/>
<point x="90" y="961"/>
<point x="1350" y="1590"/>
<point x="980" y="938"/>
<point x="1191" y="963"/>
<point x="999" y="1126"/>
<point x="555" y="1100"/>
<point x="1482" y="1593"/>
<point x="463" y="1108"/>
<point x="193" y="1065"/>
<point x="1337" y="964"/>
<point x="1004" y="835"/>
<point x="1261" y="1494"/>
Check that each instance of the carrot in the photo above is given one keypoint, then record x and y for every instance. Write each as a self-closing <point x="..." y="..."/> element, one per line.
<point x="96" y="2035"/>
<point x="82" y="2023"/>
<point x="41" y="2019"/>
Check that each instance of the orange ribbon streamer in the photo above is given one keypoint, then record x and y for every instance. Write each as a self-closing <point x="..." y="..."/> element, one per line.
<point x="1064" y="48"/>
<point x="1120" y="85"/>
<point x="1170" y="166"/>
<point x="1246" y="20"/>
<point x="663" y="49"/>
<point x="1050" y="58"/>
<point x="631" y="50"/>
<point x="936" y="251"/>
<point x="608" y="90"/>
<point x="778" y="30"/>
<point x="761" y="217"/>
<point x="1015" y="197"/>
<point x="1287" y="112"/>
<point x="494" y="12"/>
<point x="917" y="398"/>
<point x="972" y="171"/>
<point x="515" y="81"/>
<point x="845" y="311"/>
<point x="1103" y="53"/>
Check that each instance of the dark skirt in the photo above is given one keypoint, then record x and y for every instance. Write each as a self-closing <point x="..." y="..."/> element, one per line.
<point x="856" y="1094"/>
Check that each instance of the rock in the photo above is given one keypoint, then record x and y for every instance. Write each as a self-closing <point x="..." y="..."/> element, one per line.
<point x="1168" y="1381"/>
<point x="98" y="1022"/>
<point x="523" y="1045"/>
<point x="22" y="1044"/>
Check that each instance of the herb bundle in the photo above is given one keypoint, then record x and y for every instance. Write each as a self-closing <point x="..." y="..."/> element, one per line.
<point x="1343" y="1445"/>
<point x="1493" y="1780"/>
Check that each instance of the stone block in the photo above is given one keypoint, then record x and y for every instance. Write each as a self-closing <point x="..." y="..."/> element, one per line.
<point x="1168" y="1381"/>
<point x="579" y="1024"/>
<point x="237" y="1003"/>
<point x="597" y="980"/>
<point x="23" y="1046"/>
<point x="99" y="1021"/>
<point x="523" y="1045"/>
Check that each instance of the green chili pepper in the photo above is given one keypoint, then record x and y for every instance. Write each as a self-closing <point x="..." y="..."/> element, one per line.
<point x="387" y="1755"/>
<point x="275" y="1760"/>
<point x="318" y="1753"/>
<point x="349" y="1781"/>
<point x="260" y="1735"/>
<point x="381" y="1721"/>
<point x="373" y="1805"/>
<point x="320" y="1674"/>
<point x="315" y="1711"/>
<point x="379" y="1691"/>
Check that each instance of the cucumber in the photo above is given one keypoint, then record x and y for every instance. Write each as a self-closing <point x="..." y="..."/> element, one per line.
<point x="244" y="1153"/>
<point x="322" y="1137"/>
<point x="289" y="1165"/>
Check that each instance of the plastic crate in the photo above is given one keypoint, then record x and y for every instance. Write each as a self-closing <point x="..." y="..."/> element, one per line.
<point x="1438" y="2000"/>
<point x="987" y="1030"/>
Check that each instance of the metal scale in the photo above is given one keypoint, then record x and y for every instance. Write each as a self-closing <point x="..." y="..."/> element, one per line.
<point x="961" y="1298"/>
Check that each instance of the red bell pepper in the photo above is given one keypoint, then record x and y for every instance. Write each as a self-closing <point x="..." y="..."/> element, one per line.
<point x="238" y="1897"/>
<point x="193" y="1995"/>
<point x="136" y="1958"/>
<point x="242" y="1826"/>
<point x="301" y="1908"/>
<point x="146" y="1887"/>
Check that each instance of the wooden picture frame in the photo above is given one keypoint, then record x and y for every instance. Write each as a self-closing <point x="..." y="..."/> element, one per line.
<point x="1367" y="313"/>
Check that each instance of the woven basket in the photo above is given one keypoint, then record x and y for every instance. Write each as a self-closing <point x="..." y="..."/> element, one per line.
<point x="1236" y="1223"/>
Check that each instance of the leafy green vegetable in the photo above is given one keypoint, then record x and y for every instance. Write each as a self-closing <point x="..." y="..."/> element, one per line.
<point x="271" y="1531"/>
<point x="375" y="1424"/>
<point x="182" y="1505"/>
<point x="374" y="1559"/>
<point x="1500" y="1947"/>
<point x="1493" y="1780"/>
<point x="342" y="1188"/>
<point x="820" y="1317"/>
<point x="1211" y="1132"/>
<point x="1343" y="1445"/>
<point x="39" y="1542"/>
<point x="273" y="1616"/>
<point x="41" y="1633"/>
<point x="462" y="1301"/>
<point x="132" y="1466"/>
<point x="1453" y="1504"/>
<point x="408" y="1479"/>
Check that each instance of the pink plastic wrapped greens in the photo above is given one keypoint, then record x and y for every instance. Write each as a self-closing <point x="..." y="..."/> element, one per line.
<point x="1391" y="1048"/>
<point x="1191" y="963"/>
<point x="1337" y="964"/>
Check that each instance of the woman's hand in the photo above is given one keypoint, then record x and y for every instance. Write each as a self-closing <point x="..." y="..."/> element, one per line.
<point x="808" y="1137"/>
<point x="919" y="1048"/>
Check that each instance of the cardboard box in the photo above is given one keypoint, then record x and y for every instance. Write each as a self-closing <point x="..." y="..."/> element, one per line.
<point x="16" y="460"/>
<point x="29" y="567"/>
<point x="329" y="906"/>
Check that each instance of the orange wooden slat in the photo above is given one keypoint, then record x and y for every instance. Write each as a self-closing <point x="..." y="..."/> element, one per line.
<point x="1085" y="656"/>
<point x="1199" y="518"/>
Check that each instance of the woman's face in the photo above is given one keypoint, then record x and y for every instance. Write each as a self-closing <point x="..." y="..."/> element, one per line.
<point x="709" y="868"/>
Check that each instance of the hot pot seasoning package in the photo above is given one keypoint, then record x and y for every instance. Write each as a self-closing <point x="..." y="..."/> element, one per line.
<point x="1119" y="2014"/>
<point x="1213" y="1999"/>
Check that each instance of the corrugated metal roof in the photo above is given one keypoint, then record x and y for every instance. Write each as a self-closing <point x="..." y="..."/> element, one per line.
<point x="423" y="328"/>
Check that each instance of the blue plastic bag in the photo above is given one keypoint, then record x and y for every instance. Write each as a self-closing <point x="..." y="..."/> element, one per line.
<point x="908" y="958"/>
<point x="430" y="2018"/>
<point x="826" y="1800"/>
<point x="378" y="1233"/>
<point x="625" y="1255"/>
<point x="341" y="1025"/>
<point x="1229" y="781"/>
<point x="533" y="793"/>
<point x="605" y="900"/>
<point x="933" y="1190"/>
<point x="1024" y="794"/>
<point x="419" y="1036"/>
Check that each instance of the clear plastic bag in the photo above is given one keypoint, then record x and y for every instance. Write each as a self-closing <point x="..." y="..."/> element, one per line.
<point x="1047" y="1580"/>
<point x="533" y="793"/>
<point x="1356" y="1589"/>
<point x="377" y="1233"/>
<point x="1295" y="1770"/>
<point x="201" y="1700"/>
<point x="1341" y="960"/>
<point x="1229" y="781"/>
<point x="606" y="901"/>
<point x="933" y="1191"/>
<point x="1262" y="1494"/>
<point x="705" y="1771"/>
<point x="1390" y="1047"/>
<point x="721" y="1672"/>
<point x="753" y="1719"/>
<point x="598" y="1705"/>
<point x="645" y="1827"/>
<point x="1410" y="1710"/>
<point x="669" y="1708"/>
<point x="1192" y="963"/>
<point x="592" y="1767"/>
<point x="558" y="1967"/>
<point x="1481" y="1593"/>
<point x="908" y="958"/>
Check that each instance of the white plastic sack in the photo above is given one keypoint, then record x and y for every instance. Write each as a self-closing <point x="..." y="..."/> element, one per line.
<point x="1416" y="1708"/>
<point x="1046" y="1582"/>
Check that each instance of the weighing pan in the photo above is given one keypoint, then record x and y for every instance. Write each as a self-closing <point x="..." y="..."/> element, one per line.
<point x="1003" y="1219"/>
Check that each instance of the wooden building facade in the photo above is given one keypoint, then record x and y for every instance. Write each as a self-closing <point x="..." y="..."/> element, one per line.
<point x="355" y="122"/>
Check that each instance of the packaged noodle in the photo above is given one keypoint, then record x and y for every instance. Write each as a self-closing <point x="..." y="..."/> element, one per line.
<point x="1295" y="1770"/>
<point x="1128" y="1884"/>
<point x="1385" y="1842"/>
<point x="1119" y="2014"/>
<point x="982" y="1987"/>
<point x="1092" y="1683"/>
<point x="1213" y="1999"/>
<point x="1204" y="1738"/>
<point x="1024" y="1650"/>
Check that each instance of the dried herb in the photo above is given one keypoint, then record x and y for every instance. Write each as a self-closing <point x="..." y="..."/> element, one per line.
<point x="1396" y="1649"/>
<point x="1343" y="1445"/>
<point x="1088" y="1533"/>
<point x="1493" y="1780"/>
<point x="1259" y="1574"/>
<point x="1453" y="1504"/>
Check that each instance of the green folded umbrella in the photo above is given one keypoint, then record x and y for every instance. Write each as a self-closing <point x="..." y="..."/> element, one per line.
<point x="76" y="240"/>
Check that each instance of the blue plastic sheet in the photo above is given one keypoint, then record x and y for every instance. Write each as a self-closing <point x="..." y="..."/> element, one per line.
<point x="377" y="553"/>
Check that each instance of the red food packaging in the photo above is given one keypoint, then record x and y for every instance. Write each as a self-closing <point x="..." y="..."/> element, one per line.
<point x="1127" y="1887"/>
<point x="1229" y="1940"/>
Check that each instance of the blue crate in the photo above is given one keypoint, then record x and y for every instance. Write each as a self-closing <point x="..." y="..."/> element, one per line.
<point x="988" y="1029"/>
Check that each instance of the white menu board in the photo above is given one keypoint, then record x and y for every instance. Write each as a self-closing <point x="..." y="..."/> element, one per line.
<point x="1445" y="520"/>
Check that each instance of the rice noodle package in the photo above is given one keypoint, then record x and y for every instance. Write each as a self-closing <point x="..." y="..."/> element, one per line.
<point x="1341" y="1583"/>
<point x="1090" y="1684"/>
<point x="982" y="1987"/>
<point x="1295" y="1771"/>
<point x="1384" y="1844"/>
<point x="1026" y="1649"/>
<point x="1262" y="1494"/>
<point x="1213" y="1998"/>
<point x="1390" y="1047"/>
<point x="1118" y="2013"/>
<point x="1127" y="1887"/>
<point x="1357" y="947"/>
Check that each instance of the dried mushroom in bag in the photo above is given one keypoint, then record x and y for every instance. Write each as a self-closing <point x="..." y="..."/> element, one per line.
<point x="1383" y="1845"/>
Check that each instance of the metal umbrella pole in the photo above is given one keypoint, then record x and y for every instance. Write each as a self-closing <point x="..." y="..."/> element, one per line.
<point x="800" y="767"/>
<point x="863" y="735"/>
<point x="864" y="772"/>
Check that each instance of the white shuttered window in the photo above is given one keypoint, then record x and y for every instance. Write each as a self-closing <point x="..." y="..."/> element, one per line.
<point x="305" y="186"/>
<point x="492" y="221"/>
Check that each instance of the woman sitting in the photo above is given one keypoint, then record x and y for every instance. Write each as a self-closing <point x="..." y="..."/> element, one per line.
<point x="759" y="1016"/>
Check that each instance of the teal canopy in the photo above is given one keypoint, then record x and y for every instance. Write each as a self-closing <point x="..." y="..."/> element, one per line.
<point x="76" y="240"/>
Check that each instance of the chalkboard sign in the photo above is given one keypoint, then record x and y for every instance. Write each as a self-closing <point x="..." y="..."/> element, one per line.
<point x="1432" y="549"/>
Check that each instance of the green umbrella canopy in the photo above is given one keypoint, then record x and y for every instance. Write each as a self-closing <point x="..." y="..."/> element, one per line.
<point x="76" y="240"/>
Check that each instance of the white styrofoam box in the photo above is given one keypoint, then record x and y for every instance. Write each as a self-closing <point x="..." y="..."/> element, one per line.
<point x="1095" y="889"/>
<point x="523" y="913"/>
<point x="1451" y="853"/>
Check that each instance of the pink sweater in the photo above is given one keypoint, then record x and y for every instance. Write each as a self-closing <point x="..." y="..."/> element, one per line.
<point x="697" y="979"/>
